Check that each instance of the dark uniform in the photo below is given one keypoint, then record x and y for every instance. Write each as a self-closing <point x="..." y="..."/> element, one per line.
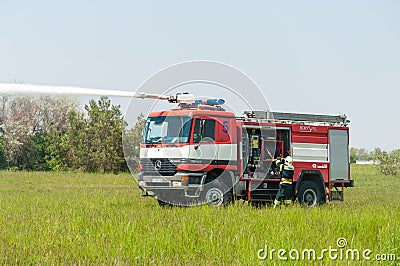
<point x="286" y="170"/>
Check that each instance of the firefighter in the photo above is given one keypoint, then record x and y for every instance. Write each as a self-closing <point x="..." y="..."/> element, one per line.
<point x="286" y="169"/>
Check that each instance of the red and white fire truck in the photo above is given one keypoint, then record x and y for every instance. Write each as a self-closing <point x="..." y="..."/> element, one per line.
<point x="200" y="152"/>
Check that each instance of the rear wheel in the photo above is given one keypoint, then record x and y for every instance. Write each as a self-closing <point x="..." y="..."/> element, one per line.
<point x="310" y="194"/>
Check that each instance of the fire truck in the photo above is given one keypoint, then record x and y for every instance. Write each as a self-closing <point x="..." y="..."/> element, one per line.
<point x="200" y="153"/>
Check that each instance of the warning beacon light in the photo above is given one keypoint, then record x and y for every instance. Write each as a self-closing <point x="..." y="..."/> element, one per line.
<point x="210" y="102"/>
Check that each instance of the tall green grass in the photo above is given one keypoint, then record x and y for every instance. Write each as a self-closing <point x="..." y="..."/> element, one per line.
<point x="74" y="218"/>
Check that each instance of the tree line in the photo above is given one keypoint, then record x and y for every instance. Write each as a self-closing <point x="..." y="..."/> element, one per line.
<point x="52" y="133"/>
<point x="387" y="163"/>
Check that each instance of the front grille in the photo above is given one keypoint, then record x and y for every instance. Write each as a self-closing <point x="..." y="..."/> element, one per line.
<point x="164" y="166"/>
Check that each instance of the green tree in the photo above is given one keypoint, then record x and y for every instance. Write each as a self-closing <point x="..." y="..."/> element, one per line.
<point x="361" y="154"/>
<point x="131" y="140"/>
<point x="353" y="155"/>
<point x="94" y="141"/>
<point x="3" y="158"/>
<point x="76" y="146"/>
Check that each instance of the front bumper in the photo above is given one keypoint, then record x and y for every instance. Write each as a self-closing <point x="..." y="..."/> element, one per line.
<point x="181" y="187"/>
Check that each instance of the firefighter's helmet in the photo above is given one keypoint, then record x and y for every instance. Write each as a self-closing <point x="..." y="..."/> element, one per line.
<point x="289" y="160"/>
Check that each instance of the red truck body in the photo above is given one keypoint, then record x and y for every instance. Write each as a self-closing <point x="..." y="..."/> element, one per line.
<point x="204" y="153"/>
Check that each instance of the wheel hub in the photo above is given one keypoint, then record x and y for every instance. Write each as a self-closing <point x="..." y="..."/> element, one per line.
<point x="214" y="197"/>
<point x="310" y="197"/>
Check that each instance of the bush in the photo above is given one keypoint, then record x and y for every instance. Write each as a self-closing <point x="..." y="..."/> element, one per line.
<point x="389" y="162"/>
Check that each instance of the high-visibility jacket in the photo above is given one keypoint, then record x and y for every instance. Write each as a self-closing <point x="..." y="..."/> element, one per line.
<point x="287" y="171"/>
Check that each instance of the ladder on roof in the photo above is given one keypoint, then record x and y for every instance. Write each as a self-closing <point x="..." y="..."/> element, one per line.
<point x="340" y="119"/>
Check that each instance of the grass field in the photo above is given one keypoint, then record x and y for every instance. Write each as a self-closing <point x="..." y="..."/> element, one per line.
<point x="74" y="218"/>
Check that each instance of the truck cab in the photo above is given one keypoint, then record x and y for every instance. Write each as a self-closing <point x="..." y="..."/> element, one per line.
<point x="183" y="149"/>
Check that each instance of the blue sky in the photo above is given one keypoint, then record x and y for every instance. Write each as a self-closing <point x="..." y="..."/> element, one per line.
<point x="306" y="56"/>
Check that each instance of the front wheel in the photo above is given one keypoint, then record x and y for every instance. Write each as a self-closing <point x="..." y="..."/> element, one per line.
<point x="216" y="194"/>
<point x="310" y="194"/>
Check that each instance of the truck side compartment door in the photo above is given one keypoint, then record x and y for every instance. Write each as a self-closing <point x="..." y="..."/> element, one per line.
<point x="339" y="154"/>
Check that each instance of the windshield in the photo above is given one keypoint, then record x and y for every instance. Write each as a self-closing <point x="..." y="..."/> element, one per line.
<point x="167" y="129"/>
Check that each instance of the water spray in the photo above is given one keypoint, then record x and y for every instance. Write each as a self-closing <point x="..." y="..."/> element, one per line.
<point x="30" y="89"/>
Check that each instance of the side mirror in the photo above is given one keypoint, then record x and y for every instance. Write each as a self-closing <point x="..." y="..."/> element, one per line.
<point x="197" y="136"/>
<point x="202" y="127"/>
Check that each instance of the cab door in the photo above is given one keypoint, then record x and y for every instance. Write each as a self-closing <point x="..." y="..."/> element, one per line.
<point x="226" y="141"/>
<point x="203" y="152"/>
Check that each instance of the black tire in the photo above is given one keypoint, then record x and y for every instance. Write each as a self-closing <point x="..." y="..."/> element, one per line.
<point x="310" y="194"/>
<point x="214" y="195"/>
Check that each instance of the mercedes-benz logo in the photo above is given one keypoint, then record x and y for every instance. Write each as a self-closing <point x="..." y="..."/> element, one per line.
<point x="157" y="165"/>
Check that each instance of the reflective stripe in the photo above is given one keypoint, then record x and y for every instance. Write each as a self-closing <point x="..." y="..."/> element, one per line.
<point x="276" y="201"/>
<point x="286" y="181"/>
<point x="288" y="167"/>
<point x="286" y="170"/>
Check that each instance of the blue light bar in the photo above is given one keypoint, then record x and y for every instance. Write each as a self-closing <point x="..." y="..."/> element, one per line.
<point x="214" y="102"/>
<point x="211" y="102"/>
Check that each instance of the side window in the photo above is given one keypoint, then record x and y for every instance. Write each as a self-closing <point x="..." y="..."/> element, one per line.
<point x="204" y="130"/>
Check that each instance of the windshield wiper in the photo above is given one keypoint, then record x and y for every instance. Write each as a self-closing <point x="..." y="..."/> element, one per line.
<point x="153" y="140"/>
